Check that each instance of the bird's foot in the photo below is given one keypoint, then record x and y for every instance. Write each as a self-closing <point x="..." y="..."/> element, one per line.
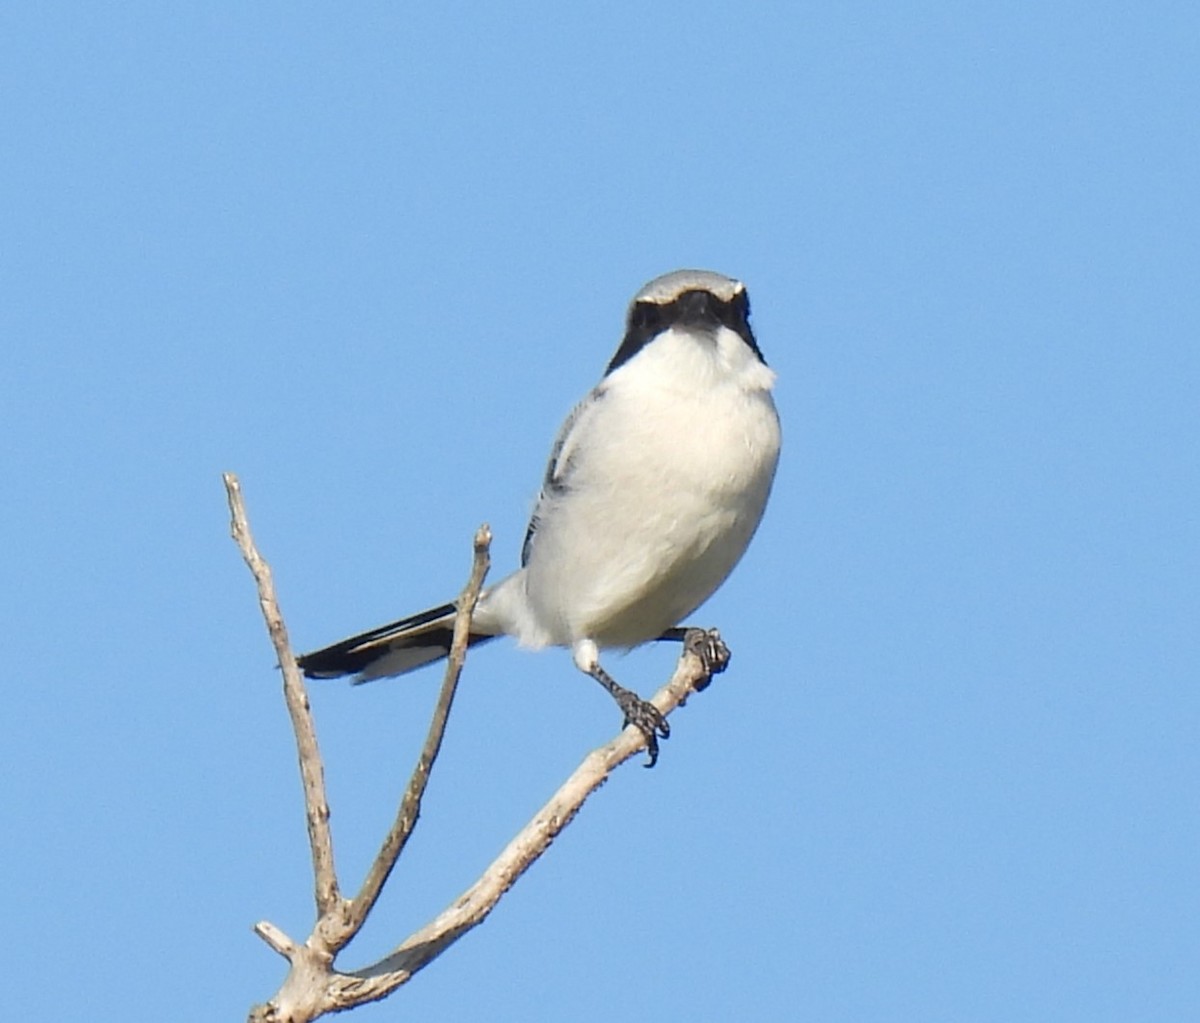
<point x="645" y="717"/>
<point x="707" y="645"/>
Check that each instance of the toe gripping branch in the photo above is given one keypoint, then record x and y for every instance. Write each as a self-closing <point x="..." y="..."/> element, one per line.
<point x="643" y="715"/>
<point x="706" y="645"/>
<point x="710" y="648"/>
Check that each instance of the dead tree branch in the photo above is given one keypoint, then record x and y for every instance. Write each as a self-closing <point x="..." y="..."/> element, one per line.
<point x="475" y="904"/>
<point x="313" y="987"/>
<point x="312" y="772"/>
<point x="410" y="805"/>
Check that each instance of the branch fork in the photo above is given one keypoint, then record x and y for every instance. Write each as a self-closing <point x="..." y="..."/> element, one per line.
<point x="313" y="986"/>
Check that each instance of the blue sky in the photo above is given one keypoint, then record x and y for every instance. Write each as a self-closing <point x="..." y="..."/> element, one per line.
<point x="367" y="256"/>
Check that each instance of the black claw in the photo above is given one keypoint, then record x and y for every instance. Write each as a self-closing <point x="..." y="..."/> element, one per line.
<point x="646" y="718"/>
<point x="707" y="645"/>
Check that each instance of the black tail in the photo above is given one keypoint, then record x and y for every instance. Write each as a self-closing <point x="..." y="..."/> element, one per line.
<point x="391" y="649"/>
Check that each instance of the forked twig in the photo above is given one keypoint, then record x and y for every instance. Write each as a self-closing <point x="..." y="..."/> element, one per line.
<point x="313" y="987"/>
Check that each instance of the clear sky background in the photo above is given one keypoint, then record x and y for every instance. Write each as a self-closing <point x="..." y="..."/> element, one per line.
<point x="367" y="256"/>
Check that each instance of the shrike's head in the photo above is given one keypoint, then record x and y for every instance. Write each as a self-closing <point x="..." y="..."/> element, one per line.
<point x="695" y="301"/>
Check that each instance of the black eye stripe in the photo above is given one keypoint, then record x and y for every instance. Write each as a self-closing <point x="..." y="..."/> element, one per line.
<point x="649" y="319"/>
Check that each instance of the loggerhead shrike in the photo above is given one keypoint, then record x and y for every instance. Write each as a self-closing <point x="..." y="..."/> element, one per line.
<point x="656" y="483"/>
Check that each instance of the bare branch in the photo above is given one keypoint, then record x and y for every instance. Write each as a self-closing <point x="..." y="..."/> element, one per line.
<point x="276" y="938"/>
<point x="313" y="987"/>
<point x="475" y="904"/>
<point x="316" y="805"/>
<point x="410" y="806"/>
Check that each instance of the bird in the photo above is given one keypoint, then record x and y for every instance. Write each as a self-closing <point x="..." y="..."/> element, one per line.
<point x="656" y="483"/>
